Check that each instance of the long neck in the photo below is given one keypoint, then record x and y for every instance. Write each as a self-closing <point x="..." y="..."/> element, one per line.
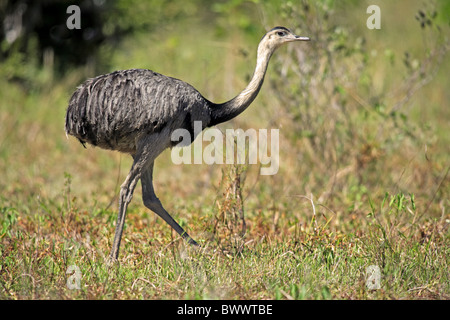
<point x="232" y="108"/>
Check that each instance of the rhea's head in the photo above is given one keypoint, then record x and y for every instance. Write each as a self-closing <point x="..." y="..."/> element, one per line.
<point x="278" y="36"/>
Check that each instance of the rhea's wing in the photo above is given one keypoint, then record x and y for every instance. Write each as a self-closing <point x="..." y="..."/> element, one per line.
<point x="114" y="109"/>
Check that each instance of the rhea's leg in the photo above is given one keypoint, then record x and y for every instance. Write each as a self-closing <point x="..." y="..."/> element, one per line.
<point x="126" y="194"/>
<point x="152" y="202"/>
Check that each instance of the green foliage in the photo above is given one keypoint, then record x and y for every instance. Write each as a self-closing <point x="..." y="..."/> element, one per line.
<point x="9" y="218"/>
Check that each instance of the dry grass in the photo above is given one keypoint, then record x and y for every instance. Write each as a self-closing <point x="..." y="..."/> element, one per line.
<point x="363" y="179"/>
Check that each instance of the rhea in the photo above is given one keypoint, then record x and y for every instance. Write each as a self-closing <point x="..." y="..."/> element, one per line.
<point x="136" y="111"/>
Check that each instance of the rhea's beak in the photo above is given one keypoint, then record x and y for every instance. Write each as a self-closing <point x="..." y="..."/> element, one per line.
<point x="298" y="38"/>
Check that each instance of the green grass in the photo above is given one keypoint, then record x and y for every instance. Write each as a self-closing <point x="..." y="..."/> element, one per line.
<point x="283" y="260"/>
<point x="358" y="185"/>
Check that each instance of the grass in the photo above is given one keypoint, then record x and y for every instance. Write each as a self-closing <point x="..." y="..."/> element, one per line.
<point x="282" y="259"/>
<point x="358" y="185"/>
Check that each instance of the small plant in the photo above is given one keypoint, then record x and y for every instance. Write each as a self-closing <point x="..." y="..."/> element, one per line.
<point x="67" y="183"/>
<point x="396" y="214"/>
<point x="230" y="225"/>
<point x="9" y="218"/>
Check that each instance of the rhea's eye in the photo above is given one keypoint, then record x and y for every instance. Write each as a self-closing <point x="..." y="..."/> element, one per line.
<point x="281" y="33"/>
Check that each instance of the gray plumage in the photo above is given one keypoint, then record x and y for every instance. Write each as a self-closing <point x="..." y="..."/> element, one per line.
<point x="114" y="111"/>
<point x="135" y="111"/>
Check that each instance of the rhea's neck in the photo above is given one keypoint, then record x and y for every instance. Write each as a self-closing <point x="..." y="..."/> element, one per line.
<point x="232" y="108"/>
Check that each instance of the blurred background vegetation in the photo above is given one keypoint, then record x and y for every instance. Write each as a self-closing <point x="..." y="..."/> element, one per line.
<point x="362" y="113"/>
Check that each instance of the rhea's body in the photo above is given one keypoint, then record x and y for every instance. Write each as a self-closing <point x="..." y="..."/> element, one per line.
<point x="136" y="111"/>
<point x="145" y="103"/>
